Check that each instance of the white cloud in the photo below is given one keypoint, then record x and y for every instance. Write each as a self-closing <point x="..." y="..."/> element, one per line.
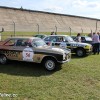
<point x="86" y="4"/>
<point x="72" y="7"/>
<point x="54" y="9"/>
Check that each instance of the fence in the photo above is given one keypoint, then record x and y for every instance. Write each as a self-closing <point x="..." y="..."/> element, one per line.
<point x="29" y="29"/>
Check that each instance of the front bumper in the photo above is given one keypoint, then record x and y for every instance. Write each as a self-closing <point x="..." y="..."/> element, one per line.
<point x="67" y="58"/>
<point x="89" y="51"/>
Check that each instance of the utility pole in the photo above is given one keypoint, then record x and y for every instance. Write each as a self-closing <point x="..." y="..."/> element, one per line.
<point x="82" y="31"/>
<point x="38" y="28"/>
<point x="96" y="26"/>
<point x="70" y="31"/>
<point x="56" y="29"/>
<point x="14" y="28"/>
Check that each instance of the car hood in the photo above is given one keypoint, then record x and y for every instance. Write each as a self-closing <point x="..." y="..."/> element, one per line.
<point x="79" y="44"/>
<point x="51" y="49"/>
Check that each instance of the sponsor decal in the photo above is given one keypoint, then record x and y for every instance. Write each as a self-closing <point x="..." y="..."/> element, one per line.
<point x="10" y="53"/>
<point x="28" y="54"/>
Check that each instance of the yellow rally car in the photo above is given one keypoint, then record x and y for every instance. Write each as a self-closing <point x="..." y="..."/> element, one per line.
<point x="33" y="49"/>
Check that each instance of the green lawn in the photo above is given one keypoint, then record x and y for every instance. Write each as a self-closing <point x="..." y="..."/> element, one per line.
<point x="77" y="80"/>
<point x="10" y="34"/>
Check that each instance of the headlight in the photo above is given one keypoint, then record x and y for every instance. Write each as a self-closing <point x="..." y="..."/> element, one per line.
<point x="64" y="55"/>
<point x="87" y="46"/>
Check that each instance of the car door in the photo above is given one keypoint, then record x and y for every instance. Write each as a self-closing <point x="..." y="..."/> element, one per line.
<point x="24" y="47"/>
<point x="67" y="42"/>
<point x="58" y="40"/>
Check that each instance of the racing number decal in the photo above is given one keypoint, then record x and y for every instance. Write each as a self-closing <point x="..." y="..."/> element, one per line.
<point x="28" y="54"/>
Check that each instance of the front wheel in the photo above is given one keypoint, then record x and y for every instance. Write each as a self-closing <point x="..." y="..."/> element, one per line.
<point x="49" y="64"/>
<point x="80" y="52"/>
<point x="3" y="59"/>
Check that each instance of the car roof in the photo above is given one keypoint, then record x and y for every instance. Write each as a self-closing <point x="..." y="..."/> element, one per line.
<point x="85" y="36"/>
<point x="57" y="35"/>
<point x="23" y="38"/>
<point x="81" y="36"/>
<point x="40" y="34"/>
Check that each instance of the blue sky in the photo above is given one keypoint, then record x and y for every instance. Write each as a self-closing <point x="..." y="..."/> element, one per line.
<point x="86" y="8"/>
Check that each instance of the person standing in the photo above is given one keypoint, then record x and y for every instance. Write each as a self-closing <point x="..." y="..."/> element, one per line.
<point x="96" y="42"/>
<point x="78" y="38"/>
<point x="99" y="40"/>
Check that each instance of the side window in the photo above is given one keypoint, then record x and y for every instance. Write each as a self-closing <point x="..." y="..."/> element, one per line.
<point x="82" y="38"/>
<point x="66" y="39"/>
<point x="23" y="42"/>
<point x="54" y="39"/>
<point x="47" y="39"/>
<point x="59" y="39"/>
<point x="19" y="42"/>
<point x="11" y="42"/>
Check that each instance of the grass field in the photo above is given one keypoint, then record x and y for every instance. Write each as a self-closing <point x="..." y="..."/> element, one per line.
<point x="5" y="35"/>
<point x="77" y="80"/>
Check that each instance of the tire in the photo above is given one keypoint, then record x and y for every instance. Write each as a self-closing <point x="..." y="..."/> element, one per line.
<point x="49" y="64"/>
<point x="3" y="59"/>
<point x="80" y="52"/>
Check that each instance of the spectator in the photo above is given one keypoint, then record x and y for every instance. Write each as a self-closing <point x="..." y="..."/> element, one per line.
<point x="99" y="40"/>
<point x="52" y="33"/>
<point x="78" y="38"/>
<point x="96" y="42"/>
<point x="99" y="35"/>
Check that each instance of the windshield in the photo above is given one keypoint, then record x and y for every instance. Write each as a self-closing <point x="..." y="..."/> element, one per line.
<point x="40" y="36"/>
<point x="69" y="39"/>
<point x="38" y="42"/>
<point x="88" y="38"/>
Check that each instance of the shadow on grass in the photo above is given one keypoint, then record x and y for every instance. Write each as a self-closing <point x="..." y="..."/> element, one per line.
<point x="25" y="69"/>
<point x="74" y="56"/>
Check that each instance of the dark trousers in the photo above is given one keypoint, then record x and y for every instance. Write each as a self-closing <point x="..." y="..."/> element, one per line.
<point x="96" y="48"/>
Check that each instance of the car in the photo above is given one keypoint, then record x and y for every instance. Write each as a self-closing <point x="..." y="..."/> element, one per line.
<point x="33" y="49"/>
<point x="84" y="39"/>
<point x="40" y="36"/>
<point x="80" y="49"/>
